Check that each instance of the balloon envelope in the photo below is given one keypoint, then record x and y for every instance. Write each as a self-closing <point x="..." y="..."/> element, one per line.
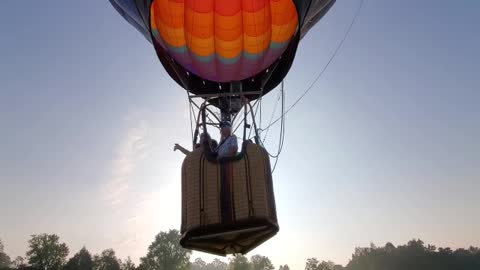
<point x="206" y="44"/>
<point x="224" y="40"/>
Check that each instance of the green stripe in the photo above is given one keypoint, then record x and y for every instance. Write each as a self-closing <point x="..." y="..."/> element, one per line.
<point x="179" y="50"/>
<point x="204" y="59"/>
<point x="278" y="45"/>
<point x="229" y="61"/>
<point x="253" y="57"/>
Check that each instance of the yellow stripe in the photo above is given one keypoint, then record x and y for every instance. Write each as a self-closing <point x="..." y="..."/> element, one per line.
<point x="172" y="36"/>
<point x="200" y="46"/>
<point x="254" y="45"/>
<point x="229" y="49"/>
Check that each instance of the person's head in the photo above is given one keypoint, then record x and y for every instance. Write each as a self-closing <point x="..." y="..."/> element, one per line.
<point x="204" y="137"/>
<point x="225" y="128"/>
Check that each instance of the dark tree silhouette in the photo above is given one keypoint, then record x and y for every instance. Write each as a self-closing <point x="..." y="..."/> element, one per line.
<point x="198" y="264"/>
<point x="217" y="264"/>
<point x="165" y="253"/>
<point x="414" y="256"/>
<point x="128" y="265"/>
<point x="315" y="264"/>
<point x="46" y="252"/>
<point x="239" y="262"/>
<point x="5" y="261"/>
<point x="106" y="261"/>
<point x="259" y="262"/>
<point x="19" y="262"/>
<point x="80" y="261"/>
<point x="312" y="264"/>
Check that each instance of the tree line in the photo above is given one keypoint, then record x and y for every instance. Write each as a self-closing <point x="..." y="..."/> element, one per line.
<point x="47" y="252"/>
<point x="415" y="255"/>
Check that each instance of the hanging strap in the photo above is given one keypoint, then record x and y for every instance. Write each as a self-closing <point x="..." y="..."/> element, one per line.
<point x="245" y="123"/>
<point x="201" y="113"/>
<point x="254" y="123"/>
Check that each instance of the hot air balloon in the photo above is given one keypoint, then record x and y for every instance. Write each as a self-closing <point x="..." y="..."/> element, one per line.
<point x="227" y="53"/>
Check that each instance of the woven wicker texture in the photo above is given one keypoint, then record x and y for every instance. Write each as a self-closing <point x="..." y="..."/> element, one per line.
<point x="227" y="207"/>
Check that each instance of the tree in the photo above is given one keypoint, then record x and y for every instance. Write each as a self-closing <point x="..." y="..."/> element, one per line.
<point x="106" y="261"/>
<point x="46" y="252"/>
<point x="315" y="264"/>
<point x="326" y="265"/>
<point x="19" y="262"/>
<point x="312" y="264"/>
<point x="165" y="253"/>
<point x="4" y="258"/>
<point x="415" y="255"/>
<point x="284" y="267"/>
<point x="217" y="264"/>
<point x="239" y="262"/>
<point x="5" y="261"/>
<point x="198" y="264"/>
<point x="259" y="262"/>
<point x="338" y="267"/>
<point x="80" y="261"/>
<point x="128" y="265"/>
<point x="389" y="247"/>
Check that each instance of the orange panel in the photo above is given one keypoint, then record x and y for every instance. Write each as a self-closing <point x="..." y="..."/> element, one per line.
<point x="228" y="27"/>
<point x="199" y="24"/>
<point x="200" y="46"/>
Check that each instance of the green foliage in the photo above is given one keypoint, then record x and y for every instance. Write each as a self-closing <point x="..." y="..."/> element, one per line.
<point x="19" y="262"/>
<point x="127" y="265"/>
<point x="27" y="268"/>
<point x="80" y="261"/>
<point x="46" y="252"/>
<point x="106" y="261"/>
<point x="311" y="264"/>
<point x="315" y="264"/>
<point x="217" y="264"/>
<point x="239" y="262"/>
<point x="165" y="253"/>
<point x="414" y="256"/>
<point x="198" y="264"/>
<point x="259" y="262"/>
<point x="5" y="262"/>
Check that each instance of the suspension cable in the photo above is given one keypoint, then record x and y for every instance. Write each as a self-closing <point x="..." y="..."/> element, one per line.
<point x="271" y="117"/>
<point x="190" y="108"/>
<point x="326" y="66"/>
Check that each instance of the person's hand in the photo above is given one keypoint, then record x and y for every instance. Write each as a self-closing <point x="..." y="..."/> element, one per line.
<point x="244" y="100"/>
<point x="176" y="147"/>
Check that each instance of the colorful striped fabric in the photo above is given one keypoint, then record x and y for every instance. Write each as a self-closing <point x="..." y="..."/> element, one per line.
<point x="224" y="40"/>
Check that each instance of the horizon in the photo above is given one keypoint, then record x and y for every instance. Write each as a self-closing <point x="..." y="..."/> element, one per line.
<point x="229" y="258"/>
<point x="384" y="148"/>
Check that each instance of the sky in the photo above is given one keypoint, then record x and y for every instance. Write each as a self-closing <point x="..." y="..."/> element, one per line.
<point x="383" y="148"/>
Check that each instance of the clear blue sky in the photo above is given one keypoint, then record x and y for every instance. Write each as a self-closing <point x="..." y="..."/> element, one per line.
<point x="384" y="148"/>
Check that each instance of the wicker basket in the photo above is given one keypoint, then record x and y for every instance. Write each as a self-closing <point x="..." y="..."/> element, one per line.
<point x="228" y="206"/>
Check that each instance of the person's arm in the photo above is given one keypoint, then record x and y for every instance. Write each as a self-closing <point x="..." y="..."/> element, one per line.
<point x="181" y="148"/>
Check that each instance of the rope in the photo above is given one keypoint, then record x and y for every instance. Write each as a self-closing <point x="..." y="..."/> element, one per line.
<point x="282" y="132"/>
<point x="271" y="117"/>
<point x="259" y="102"/>
<point x="326" y="66"/>
<point x="190" y="114"/>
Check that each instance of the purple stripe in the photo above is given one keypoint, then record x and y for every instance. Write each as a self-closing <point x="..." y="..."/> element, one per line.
<point x="219" y="71"/>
